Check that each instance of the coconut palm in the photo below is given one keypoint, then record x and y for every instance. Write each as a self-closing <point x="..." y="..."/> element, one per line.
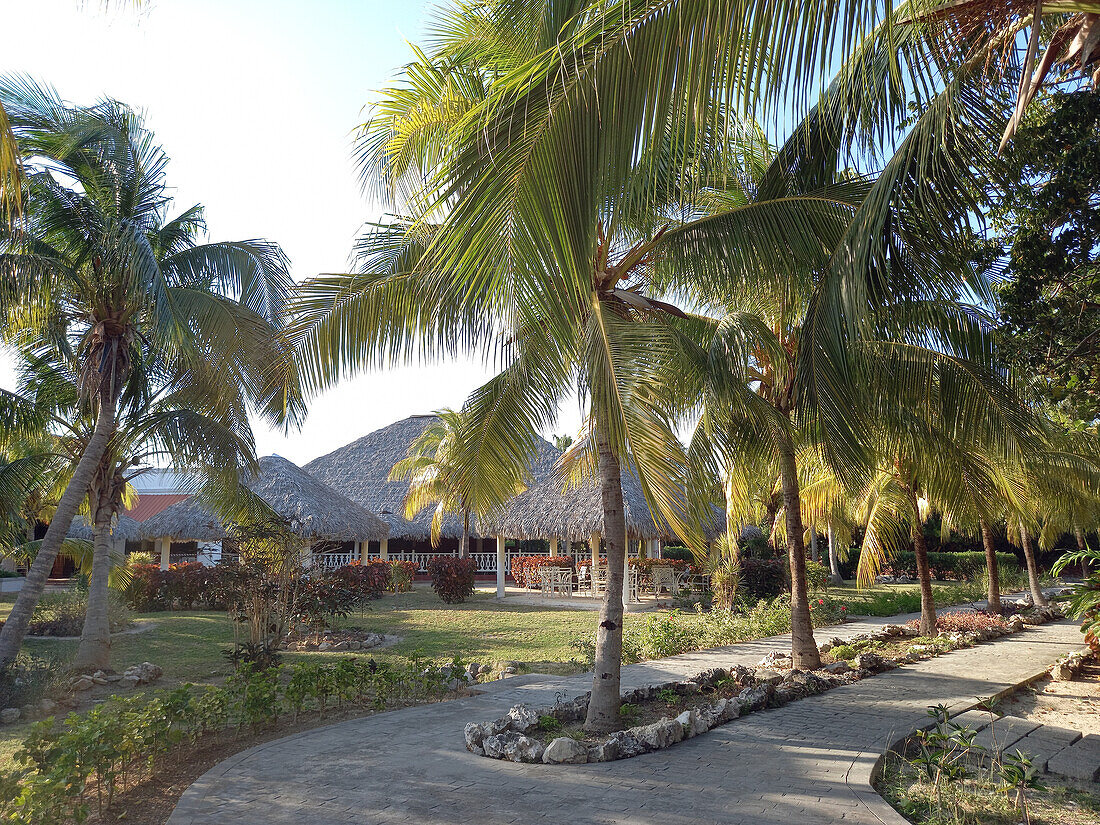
<point x="97" y="259"/>
<point x="441" y="476"/>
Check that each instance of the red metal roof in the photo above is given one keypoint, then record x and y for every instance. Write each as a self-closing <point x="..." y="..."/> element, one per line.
<point x="149" y="504"/>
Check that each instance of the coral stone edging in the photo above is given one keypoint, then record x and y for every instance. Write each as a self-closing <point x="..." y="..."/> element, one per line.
<point x="769" y="685"/>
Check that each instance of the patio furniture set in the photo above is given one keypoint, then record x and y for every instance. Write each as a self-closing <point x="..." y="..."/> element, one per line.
<point x="560" y="581"/>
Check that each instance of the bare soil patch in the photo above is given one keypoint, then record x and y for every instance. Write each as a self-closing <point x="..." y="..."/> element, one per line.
<point x="1074" y="705"/>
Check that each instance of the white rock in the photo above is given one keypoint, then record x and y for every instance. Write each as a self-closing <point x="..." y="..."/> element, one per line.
<point x="565" y="751"/>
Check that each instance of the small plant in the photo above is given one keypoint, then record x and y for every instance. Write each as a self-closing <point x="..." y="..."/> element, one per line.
<point x="724" y="580"/>
<point x="629" y="713"/>
<point x="550" y="724"/>
<point x="1018" y="774"/>
<point x="668" y="696"/>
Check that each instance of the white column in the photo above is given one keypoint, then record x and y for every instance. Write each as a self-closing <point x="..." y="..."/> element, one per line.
<point x="626" y="577"/>
<point x="594" y="546"/>
<point x="165" y="544"/>
<point x="306" y="555"/>
<point x="384" y="549"/>
<point x="357" y="551"/>
<point x="554" y="546"/>
<point x="500" y="566"/>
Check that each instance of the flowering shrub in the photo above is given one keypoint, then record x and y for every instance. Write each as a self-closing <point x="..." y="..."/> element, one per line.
<point x="318" y="599"/>
<point x="817" y="575"/>
<point x="964" y="622"/>
<point x="525" y="568"/>
<point x="452" y="578"/>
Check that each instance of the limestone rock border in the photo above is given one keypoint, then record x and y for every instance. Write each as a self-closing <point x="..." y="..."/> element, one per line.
<point x="768" y="685"/>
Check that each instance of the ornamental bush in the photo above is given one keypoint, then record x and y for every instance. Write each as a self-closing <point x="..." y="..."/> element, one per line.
<point x="368" y="581"/>
<point x="183" y="585"/>
<point x="402" y="574"/>
<point x="452" y="578"/>
<point x="764" y="578"/>
<point x="144" y="593"/>
<point x="817" y="575"/>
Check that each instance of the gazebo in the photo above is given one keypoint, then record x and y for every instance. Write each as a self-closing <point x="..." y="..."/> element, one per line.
<point x="313" y="510"/>
<point x="123" y="530"/>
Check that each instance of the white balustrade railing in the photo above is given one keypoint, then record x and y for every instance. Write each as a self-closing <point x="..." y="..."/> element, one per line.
<point x="485" y="562"/>
<point x="330" y="561"/>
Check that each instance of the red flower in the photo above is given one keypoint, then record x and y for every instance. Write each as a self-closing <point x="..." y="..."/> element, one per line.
<point x="821" y="601"/>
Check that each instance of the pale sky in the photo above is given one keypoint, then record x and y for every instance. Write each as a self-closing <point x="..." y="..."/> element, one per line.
<point x="255" y="102"/>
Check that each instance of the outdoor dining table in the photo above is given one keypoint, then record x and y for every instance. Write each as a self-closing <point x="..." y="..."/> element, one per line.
<point x="556" y="581"/>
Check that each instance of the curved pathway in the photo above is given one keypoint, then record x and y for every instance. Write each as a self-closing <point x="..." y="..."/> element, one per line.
<point x="807" y="762"/>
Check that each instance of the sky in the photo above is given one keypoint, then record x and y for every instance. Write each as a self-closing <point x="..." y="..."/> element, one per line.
<point x="255" y="102"/>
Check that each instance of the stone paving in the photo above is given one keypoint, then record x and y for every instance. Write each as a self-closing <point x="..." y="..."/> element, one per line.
<point x="808" y="762"/>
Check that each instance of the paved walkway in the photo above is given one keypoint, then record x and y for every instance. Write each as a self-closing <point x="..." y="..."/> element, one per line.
<point x="808" y="762"/>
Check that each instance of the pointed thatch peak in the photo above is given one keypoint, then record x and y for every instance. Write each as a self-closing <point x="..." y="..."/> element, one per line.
<point x="360" y="470"/>
<point x="124" y="529"/>
<point x="313" y="510"/>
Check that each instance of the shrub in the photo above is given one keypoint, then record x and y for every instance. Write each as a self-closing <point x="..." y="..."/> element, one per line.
<point x="764" y="578"/>
<point x="677" y="553"/>
<point x="182" y="585"/>
<point x="452" y="578"/>
<point x="368" y="581"/>
<point x="144" y="593"/>
<point x="322" y="598"/>
<point x="28" y="679"/>
<point x="402" y="574"/>
<point x="817" y="575"/>
<point x="62" y="614"/>
<point x="962" y="566"/>
<point x="965" y="622"/>
<point x="140" y="557"/>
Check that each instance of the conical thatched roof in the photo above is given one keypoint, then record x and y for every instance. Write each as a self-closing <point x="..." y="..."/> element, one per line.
<point x="125" y="529"/>
<point x="360" y="470"/>
<point x="313" y="510"/>
<point x="543" y="511"/>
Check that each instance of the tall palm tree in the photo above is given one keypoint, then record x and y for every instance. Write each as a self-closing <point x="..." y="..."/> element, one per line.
<point x="97" y="257"/>
<point x="441" y="476"/>
<point x="183" y="420"/>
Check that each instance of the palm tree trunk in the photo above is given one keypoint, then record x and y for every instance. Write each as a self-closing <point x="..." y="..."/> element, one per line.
<point x="1079" y="535"/>
<point x="994" y="594"/>
<point x="770" y="512"/>
<point x="1033" y="580"/>
<point x="603" y="709"/>
<point x="464" y="544"/>
<point x="834" y="560"/>
<point x="924" y="570"/>
<point x="733" y="529"/>
<point x="804" y="653"/>
<point x="94" y="652"/>
<point x="15" y="628"/>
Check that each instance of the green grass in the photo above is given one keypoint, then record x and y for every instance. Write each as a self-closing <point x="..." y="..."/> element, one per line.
<point x="890" y="599"/>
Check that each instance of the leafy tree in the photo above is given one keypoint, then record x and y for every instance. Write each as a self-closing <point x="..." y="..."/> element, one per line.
<point x="96" y="261"/>
<point x="441" y="475"/>
<point x="1049" y="221"/>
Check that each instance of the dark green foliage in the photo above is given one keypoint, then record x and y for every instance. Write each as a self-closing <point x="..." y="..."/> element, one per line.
<point x="1049" y="221"/>
<point x="968" y="566"/>
<point x="763" y="578"/>
<point x="26" y="680"/>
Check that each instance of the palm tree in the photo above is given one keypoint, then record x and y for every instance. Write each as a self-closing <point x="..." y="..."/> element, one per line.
<point x="97" y="257"/>
<point x="441" y="476"/>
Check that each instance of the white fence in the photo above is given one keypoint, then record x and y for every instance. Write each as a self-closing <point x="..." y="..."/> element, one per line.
<point x="486" y="562"/>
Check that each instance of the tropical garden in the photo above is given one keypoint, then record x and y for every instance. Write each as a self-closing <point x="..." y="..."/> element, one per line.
<point x="828" y="272"/>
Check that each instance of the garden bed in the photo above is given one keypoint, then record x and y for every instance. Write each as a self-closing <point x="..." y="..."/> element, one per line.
<point x="659" y="716"/>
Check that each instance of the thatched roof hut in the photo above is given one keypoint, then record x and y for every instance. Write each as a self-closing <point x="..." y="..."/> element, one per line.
<point x="545" y="511"/>
<point x="125" y="529"/>
<point x="313" y="510"/>
<point x="360" y="471"/>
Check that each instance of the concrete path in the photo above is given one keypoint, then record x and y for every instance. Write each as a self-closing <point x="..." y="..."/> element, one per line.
<point x="808" y="762"/>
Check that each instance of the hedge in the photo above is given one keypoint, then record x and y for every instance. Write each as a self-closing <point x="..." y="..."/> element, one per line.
<point x="964" y="566"/>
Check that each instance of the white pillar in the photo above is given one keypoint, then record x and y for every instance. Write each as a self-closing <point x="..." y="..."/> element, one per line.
<point x="357" y="551"/>
<point x="500" y="566"/>
<point x="306" y="555"/>
<point x="594" y="547"/>
<point x="165" y="546"/>
<point x="626" y="577"/>
<point x="384" y="549"/>
<point x="554" y="546"/>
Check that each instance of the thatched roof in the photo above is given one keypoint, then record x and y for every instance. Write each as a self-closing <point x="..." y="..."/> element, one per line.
<point x="186" y="520"/>
<point x="359" y="470"/>
<point x="125" y="528"/>
<point x="544" y="511"/>
<point x="313" y="510"/>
